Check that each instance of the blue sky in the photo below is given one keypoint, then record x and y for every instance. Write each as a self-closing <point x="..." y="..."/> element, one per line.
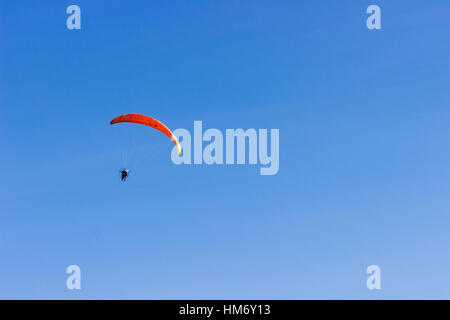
<point x="364" y="150"/>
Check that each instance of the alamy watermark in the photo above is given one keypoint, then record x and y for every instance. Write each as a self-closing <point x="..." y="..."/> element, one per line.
<point x="237" y="143"/>
<point x="373" y="22"/>
<point x="374" y="280"/>
<point x="74" y="20"/>
<point x="73" y="281"/>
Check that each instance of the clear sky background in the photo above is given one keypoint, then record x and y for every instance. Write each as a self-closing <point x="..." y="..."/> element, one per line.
<point x="364" y="149"/>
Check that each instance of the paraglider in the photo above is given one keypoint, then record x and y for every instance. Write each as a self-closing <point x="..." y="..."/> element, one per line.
<point x="148" y="121"/>
<point x="124" y="174"/>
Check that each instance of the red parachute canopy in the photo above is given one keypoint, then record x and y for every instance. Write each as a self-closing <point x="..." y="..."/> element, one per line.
<point x="148" y="121"/>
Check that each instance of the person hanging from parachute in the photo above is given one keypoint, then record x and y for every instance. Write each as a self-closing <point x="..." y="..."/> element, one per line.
<point x="148" y="121"/>
<point x="124" y="174"/>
